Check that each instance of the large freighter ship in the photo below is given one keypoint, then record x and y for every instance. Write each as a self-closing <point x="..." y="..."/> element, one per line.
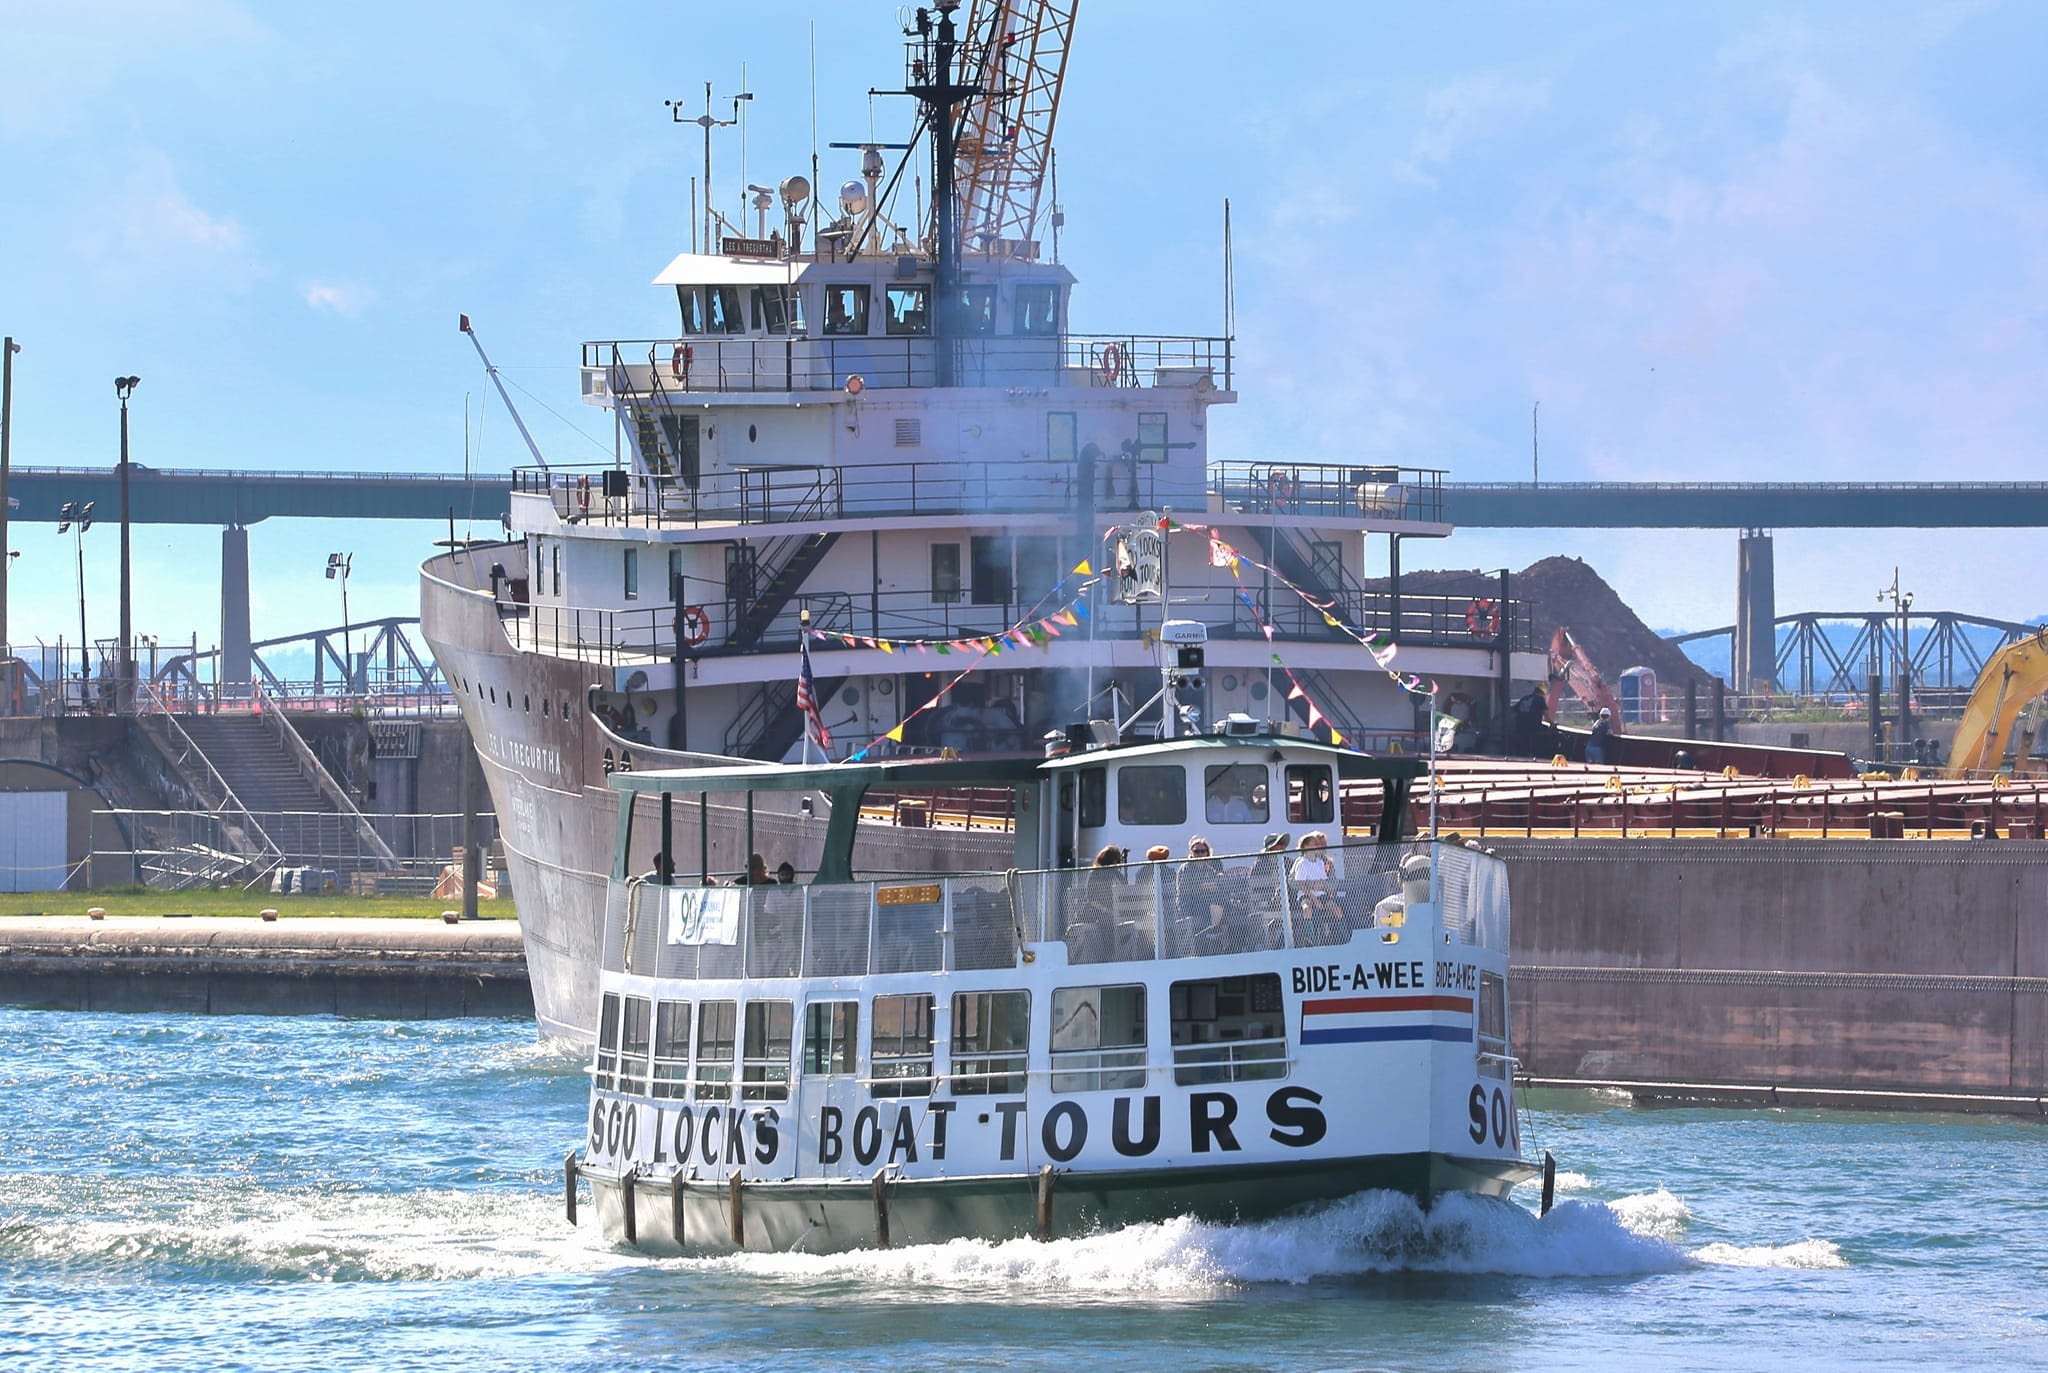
<point x="891" y="445"/>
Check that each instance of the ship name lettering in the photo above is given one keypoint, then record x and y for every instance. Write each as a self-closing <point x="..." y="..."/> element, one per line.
<point x="867" y="1135"/>
<point x="1399" y="975"/>
<point x="1058" y="1149"/>
<point x="520" y="753"/>
<point x="1210" y="1115"/>
<point x="1461" y="977"/>
<point x="1009" y="1111"/>
<point x="1320" y="977"/>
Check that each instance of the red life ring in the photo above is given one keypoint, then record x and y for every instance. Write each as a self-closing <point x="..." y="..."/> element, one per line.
<point x="680" y="359"/>
<point x="1482" y="618"/>
<point x="583" y="494"/>
<point x="696" y="625"/>
<point x="1112" y="363"/>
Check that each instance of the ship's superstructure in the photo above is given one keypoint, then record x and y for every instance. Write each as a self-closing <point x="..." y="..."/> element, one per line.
<point x="897" y="450"/>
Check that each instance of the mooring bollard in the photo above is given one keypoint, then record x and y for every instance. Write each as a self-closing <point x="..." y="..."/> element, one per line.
<point x="268" y="913"/>
<point x="96" y="913"/>
<point x="451" y="917"/>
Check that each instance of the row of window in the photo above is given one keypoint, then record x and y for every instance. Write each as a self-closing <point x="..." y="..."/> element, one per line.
<point x="1232" y="794"/>
<point x="906" y="309"/>
<point x="1222" y="1030"/>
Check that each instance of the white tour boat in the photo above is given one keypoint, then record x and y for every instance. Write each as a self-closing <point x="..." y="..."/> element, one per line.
<point x="907" y="1057"/>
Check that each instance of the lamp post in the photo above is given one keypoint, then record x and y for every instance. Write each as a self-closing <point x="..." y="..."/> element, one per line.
<point x="74" y="518"/>
<point x="337" y="567"/>
<point x="1903" y="602"/>
<point x="7" y="351"/>
<point x="124" y="652"/>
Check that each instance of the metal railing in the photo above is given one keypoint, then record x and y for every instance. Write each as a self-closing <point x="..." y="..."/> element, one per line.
<point x="173" y="850"/>
<point x="1174" y="909"/>
<point x="803" y="362"/>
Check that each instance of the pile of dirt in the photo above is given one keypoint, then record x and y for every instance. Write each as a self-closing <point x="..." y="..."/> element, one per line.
<point x="1565" y="591"/>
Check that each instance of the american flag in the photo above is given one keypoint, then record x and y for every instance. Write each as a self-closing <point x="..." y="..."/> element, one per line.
<point x="807" y="695"/>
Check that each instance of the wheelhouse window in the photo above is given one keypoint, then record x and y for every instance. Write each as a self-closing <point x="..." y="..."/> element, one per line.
<point x="846" y="309"/>
<point x="990" y="1032"/>
<point x="692" y="305"/>
<point x="1235" y="794"/>
<point x="945" y="574"/>
<point x="977" y="310"/>
<point x="722" y="303"/>
<point x="1151" y="795"/>
<point x="774" y="309"/>
<point x="1311" y="797"/>
<point x="636" y="1036"/>
<point x="557" y="560"/>
<point x="908" y="309"/>
<point x="1094" y="797"/>
<point x="672" y="1050"/>
<point x="829" y="1035"/>
<point x="1152" y="436"/>
<point x="1098" y="1038"/>
<point x="605" y="1071"/>
<point x="900" y="1057"/>
<point x="1038" y="309"/>
<point x="632" y="573"/>
<point x="715" y="1023"/>
<point x="764" y="1057"/>
<point x="1060" y="436"/>
<point x="1228" y="1029"/>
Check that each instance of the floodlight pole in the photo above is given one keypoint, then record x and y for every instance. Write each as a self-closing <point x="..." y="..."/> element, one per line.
<point x="124" y="657"/>
<point x="7" y="352"/>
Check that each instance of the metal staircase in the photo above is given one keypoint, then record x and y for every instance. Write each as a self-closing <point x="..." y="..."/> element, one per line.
<point x="769" y="724"/>
<point x="800" y="556"/>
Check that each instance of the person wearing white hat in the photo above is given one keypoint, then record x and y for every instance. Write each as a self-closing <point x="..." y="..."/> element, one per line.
<point x="1596" y="742"/>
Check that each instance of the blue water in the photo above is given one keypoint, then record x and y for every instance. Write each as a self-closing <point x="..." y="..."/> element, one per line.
<point x="283" y="1193"/>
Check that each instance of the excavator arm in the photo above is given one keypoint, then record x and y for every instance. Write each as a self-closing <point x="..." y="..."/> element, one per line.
<point x="1016" y="52"/>
<point x="2014" y="678"/>
<point x="1570" y="665"/>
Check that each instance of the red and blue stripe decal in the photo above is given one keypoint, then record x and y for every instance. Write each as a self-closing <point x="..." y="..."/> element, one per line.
<point x="1383" y="1019"/>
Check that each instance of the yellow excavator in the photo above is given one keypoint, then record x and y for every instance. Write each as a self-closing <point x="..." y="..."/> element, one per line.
<point x="2013" y="679"/>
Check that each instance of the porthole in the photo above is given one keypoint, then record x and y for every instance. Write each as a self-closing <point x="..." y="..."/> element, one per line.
<point x="850" y="696"/>
<point x="494" y="696"/>
<point x="884" y="687"/>
<point x="610" y="765"/>
<point x="543" y="707"/>
<point x="1258" y="691"/>
<point x="752" y="433"/>
<point x="526" y="703"/>
<point x="1229" y="682"/>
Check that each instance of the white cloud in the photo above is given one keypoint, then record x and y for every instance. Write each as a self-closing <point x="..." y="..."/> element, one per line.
<point x="1466" y="111"/>
<point x="147" y="230"/>
<point x="338" y="298"/>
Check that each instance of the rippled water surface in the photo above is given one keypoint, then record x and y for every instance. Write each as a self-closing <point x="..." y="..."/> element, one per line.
<point x="307" y="1193"/>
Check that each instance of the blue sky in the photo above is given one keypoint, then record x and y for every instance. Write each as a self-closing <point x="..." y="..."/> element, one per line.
<point x="1742" y="241"/>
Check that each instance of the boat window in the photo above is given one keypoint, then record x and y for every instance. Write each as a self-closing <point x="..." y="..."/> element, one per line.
<point x="1152" y="437"/>
<point x="636" y="1026"/>
<point x="773" y="308"/>
<point x="901" y="1054"/>
<point x="675" y="575"/>
<point x="908" y="309"/>
<point x="1038" y="566"/>
<point x="829" y="1028"/>
<point x="1038" y="309"/>
<point x="989" y="569"/>
<point x="632" y="573"/>
<point x="605" y="1071"/>
<point x="1235" y="794"/>
<point x="846" y="309"/>
<point x="945" y="574"/>
<point x="1060" y="436"/>
<point x="1094" y="797"/>
<point x="1326" y="561"/>
<point x="977" y="310"/>
<point x="990" y="1032"/>
<point x="1493" y="1025"/>
<point x="1228" y="1029"/>
<point x="715" y="1023"/>
<point x="722" y="304"/>
<point x="1311" y="797"/>
<point x="672" y="1050"/>
<point x="558" y="569"/>
<point x="1152" y="795"/>
<point x="764" y="1057"/>
<point x="1098" y="1038"/>
<point x="693" y="309"/>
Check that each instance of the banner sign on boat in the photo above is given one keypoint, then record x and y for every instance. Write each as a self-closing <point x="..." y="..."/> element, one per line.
<point x="704" y="915"/>
<point x="923" y="895"/>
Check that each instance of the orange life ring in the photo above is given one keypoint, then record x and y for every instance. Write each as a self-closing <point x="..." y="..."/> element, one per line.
<point x="680" y="359"/>
<point x="583" y="494"/>
<point x="696" y="625"/>
<point x="1482" y="618"/>
<point x="854" y="385"/>
<point x="1112" y="363"/>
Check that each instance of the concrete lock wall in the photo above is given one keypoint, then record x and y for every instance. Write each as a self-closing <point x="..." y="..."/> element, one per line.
<point x="1909" y="966"/>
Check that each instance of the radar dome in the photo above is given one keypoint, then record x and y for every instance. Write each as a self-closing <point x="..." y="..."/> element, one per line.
<point x="853" y="197"/>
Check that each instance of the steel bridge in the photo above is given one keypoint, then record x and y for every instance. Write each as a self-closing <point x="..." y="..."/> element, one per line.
<point x="1812" y="662"/>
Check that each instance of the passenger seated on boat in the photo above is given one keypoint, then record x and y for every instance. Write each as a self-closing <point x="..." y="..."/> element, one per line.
<point x="1203" y="903"/>
<point x="756" y="874"/>
<point x="1321" y="917"/>
<point x="786" y="873"/>
<point x="1093" y="915"/>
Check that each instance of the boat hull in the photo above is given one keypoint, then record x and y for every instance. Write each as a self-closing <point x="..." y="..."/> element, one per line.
<point x="823" y="1217"/>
